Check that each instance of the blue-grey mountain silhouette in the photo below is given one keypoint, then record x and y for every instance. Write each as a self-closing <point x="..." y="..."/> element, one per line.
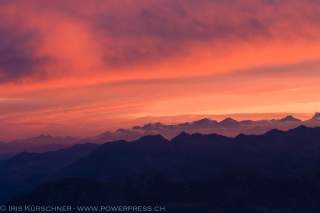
<point x="276" y="171"/>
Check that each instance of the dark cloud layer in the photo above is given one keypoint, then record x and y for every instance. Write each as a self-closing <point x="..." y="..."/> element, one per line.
<point x="17" y="58"/>
<point x="148" y="31"/>
<point x="174" y="26"/>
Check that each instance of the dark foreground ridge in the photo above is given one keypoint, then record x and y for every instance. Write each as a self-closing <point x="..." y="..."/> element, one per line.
<point x="275" y="172"/>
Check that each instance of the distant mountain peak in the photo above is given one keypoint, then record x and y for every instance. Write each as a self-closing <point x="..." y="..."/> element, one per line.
<point x="150" y="126"/>
<point x="205" y="122"/>
<point x="181" y="137"/>
<point x="229" y="121"/>
<point x="274" y="132"/>
<point x="290" y="118"/>
<point x="316" y="116"/>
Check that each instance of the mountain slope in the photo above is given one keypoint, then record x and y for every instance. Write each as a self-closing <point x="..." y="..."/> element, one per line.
<point x="191" y="156"/>
<point x="26" y="169"/>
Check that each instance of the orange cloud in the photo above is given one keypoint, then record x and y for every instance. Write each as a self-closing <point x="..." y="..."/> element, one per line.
<point x="66" y="62"/>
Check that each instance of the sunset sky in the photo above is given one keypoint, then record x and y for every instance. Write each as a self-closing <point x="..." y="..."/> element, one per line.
<point x="78" y="67"/>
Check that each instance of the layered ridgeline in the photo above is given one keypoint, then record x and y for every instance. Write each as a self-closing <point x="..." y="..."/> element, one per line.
<point x="41" y="143"/>
<point x="227" y="127"/>
<point x="255" y="173"/>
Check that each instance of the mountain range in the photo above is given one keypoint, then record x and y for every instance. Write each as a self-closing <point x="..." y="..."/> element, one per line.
<point x="227" y="127"/>
<point x="210" y="171"/>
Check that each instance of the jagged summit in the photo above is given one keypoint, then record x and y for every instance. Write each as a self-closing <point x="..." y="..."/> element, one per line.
<point x="274" y="132"/>
<point x="316" y="116"/>
<point x="150" y="126"/>
<point x="181" y="137"/>
<point x="290" y="118"/>
<point x="228" y="127"/>
<point x="204" y="122"/>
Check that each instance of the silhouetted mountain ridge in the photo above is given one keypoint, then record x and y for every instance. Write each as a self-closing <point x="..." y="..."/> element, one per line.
<point x="227" y="127"/>
<point x="276" y="171"/>
<point x="200" y="147"/>
<point x="25" y="170"/>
